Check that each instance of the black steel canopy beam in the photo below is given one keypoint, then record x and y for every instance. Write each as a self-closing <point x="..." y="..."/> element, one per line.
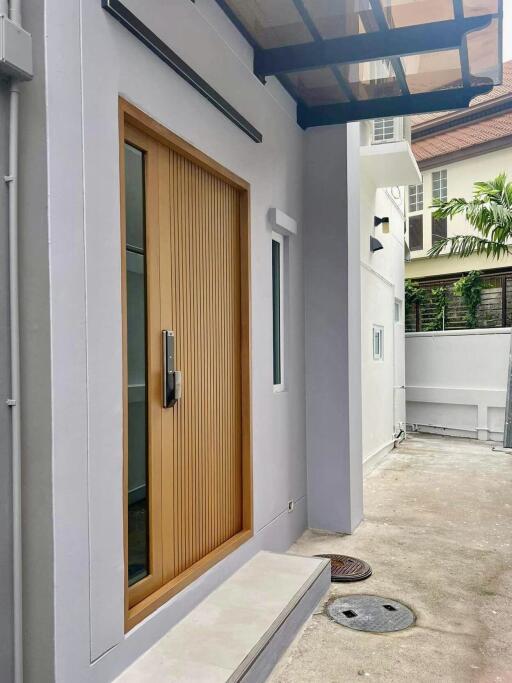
<point x="458" y="10"/>
<point x="403" y="105"/>
<point x="433" y="37"/>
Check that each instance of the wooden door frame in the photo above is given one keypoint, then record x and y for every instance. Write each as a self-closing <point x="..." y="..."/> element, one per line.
<point x="129" y="115"/>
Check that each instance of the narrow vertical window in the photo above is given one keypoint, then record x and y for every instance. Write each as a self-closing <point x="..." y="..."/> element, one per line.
<point x="416" y="232"/>
<point x="439" y="229"/>
<point x="440" y="185"/>
<point x="378" y="342"/>
<point x="416" y="217"/>
<point x="277" y="310"/>
<point x="415" y="198"/>
<point x="138" y="499"/>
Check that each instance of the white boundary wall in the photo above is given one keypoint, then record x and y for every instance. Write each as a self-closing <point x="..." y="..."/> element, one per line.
<point x="456" y="382"/>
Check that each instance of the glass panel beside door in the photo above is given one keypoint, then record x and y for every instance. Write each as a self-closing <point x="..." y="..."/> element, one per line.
<point x="138" y="499"/>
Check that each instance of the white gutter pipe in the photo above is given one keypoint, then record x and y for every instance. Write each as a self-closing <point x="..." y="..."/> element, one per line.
<point x="14" y="7"/>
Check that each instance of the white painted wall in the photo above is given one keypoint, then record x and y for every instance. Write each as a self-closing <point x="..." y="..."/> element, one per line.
<point x="461" y="178"/>
<point x="456" y="382"/>
<point x="382" y="283"/>
<point x="72" y="377"/>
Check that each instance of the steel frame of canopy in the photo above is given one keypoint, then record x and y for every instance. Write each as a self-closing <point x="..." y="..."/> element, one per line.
<point x="386" y="43"/>
<point x="441" y="35"/>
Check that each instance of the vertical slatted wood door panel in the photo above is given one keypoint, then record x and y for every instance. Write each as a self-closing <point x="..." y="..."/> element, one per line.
<point x="197" y="284"/>
<point x="201" y="302"/>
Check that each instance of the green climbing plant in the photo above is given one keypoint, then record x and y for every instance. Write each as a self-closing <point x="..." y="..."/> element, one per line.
<point x="469" y="288"/>
<point x="414" y="294"/>
<point x="439" y="299"/>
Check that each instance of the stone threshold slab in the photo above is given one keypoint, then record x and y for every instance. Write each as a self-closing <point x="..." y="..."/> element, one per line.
<point x="239" y="632"/>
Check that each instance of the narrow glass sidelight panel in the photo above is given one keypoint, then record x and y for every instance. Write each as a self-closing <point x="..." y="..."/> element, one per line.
<point x="138" y="494"/>
<point x="276" y="310"/>
<point x="134" y="178"/>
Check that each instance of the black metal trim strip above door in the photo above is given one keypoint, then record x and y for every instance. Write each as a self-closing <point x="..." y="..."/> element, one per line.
<point x="164" y="52"/>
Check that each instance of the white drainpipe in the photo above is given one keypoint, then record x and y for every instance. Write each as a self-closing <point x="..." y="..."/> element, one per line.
<point x="14" y="7"/>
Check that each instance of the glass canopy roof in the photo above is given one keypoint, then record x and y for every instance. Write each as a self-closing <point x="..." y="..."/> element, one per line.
<point x="345" y="60"/>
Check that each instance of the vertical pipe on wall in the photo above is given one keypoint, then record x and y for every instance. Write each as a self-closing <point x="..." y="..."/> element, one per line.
<point x="15" y="377"/>
<point x="14" y="400"/>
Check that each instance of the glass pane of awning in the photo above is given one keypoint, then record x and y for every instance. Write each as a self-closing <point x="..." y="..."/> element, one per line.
<point x="339" y="19"/>
<point x="326" y="52"/>
<point x="401" y="13"/>
<point x="271" y="23"/>
<point x="433" y="71"/>
<point x="317" y="86"/>
<point x="371" y="80"/>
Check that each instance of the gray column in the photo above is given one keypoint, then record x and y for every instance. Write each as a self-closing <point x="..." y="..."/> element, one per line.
<point x="333" y="328"/>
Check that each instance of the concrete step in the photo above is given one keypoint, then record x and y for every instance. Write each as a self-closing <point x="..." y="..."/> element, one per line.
<point x="239" y="632"/>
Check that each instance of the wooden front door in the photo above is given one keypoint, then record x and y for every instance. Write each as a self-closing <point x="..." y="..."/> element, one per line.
<point x="185" y="246"/>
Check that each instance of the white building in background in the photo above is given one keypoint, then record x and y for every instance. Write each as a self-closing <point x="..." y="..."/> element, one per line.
<point x="387" y="168"/>
<point x="454" y="150"/>
<point x="200" y="374"/>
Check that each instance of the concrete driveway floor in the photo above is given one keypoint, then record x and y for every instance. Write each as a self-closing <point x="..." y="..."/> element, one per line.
<point x="438" y="535"/>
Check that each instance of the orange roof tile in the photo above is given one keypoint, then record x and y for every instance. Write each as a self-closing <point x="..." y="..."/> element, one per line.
<point x="463" y="138"/>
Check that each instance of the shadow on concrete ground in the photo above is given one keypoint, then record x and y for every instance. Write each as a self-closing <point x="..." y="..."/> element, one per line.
<point x="438" y="534"/>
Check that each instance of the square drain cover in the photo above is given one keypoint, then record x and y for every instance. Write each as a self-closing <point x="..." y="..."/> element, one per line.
<point x="370" y="613"/>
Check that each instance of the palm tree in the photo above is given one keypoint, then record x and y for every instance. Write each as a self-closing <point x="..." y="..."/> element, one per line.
<point x="489" y="213"/>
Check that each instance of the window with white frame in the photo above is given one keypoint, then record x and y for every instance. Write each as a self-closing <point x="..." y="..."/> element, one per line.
<point x="415" y="198"/>
<point x="378" y="342"/>
<point x="415" y="221"/>
<point x="440" y="185"/>
<point x="398" y="310"/>
<point x="384" y="129"/>
<point x="278" y="310"/>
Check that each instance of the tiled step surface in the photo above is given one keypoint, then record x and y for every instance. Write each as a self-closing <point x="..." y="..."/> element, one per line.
<point x="239" y="631"/>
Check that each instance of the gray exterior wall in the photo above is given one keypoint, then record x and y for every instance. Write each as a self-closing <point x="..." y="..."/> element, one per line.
<point x="36" y="363"/>
<point x="71" y="308"/>
<point x="333" y="328"/>
<point x="71" y="314"/>
<point x="6" y="606"/>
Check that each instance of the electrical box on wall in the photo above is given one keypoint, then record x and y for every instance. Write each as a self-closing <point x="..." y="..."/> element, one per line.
<point x="15" y="50"/>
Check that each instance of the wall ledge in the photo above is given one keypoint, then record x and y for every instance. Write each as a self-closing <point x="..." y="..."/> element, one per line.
<point x="282" y="223"/>
<point x="460" y="333"/>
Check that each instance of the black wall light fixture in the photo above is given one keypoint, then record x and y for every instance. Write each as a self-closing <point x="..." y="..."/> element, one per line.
<point x="375" y="245"/>
<point x="384" y="221"/>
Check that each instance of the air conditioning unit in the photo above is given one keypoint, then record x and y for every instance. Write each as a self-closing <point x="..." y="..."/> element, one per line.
<point x="388" y="129"/>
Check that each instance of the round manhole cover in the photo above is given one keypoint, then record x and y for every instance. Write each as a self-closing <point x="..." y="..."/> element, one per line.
<point x="346" y="568"/>
<point x="370" y="613"/>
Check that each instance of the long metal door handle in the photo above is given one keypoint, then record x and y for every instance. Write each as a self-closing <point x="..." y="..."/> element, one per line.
<point x="171" y="378"/>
